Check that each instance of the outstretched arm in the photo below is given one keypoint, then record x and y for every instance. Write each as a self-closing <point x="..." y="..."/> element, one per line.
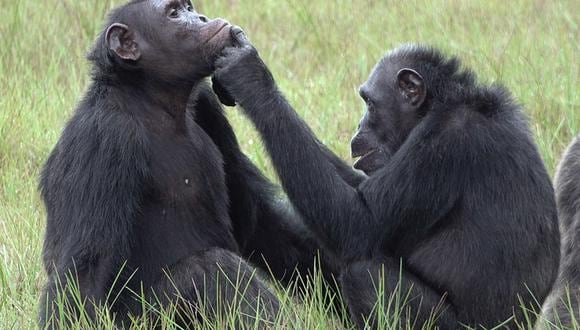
<point x="331" y="206"/>
<point x="346" y="172"/>
<point x="269" y="232"/>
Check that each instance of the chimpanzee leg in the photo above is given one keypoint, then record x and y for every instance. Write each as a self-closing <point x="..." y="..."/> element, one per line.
<point x="216" y="283"/>
<point x="382" y="286"/>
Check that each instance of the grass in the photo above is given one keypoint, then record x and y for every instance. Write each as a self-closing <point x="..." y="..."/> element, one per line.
<point x="319" y="51"/>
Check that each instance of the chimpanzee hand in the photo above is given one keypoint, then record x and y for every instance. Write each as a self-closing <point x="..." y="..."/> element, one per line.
<point x="240" y="74"/>
<point x="222" y="94"/>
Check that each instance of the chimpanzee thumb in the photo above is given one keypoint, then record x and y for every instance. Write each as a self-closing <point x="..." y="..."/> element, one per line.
<point x="239" y="37"/>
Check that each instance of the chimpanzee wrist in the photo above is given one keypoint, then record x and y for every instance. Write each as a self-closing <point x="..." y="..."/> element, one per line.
<point x="260" y="99"/>
<point x="258" y="91"/>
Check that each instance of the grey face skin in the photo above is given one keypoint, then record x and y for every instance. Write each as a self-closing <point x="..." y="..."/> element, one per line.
<point x="393" y="94"/>
<point x="190" y="39"/>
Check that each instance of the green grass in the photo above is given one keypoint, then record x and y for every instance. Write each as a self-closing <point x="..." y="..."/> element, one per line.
<point x="320" y="51"/>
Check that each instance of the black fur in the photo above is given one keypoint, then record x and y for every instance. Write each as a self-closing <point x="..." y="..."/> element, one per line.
<point x="458" y="194"/>
<point x="563" y="305"/>
<point x="140" y="182"/>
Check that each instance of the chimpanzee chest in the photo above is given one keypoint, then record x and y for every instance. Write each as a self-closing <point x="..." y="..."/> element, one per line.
<point x="187" y="171"/>
<point x="186" y="205"/>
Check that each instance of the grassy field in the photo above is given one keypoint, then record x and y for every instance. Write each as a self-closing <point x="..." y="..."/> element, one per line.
<point x="319" y="50"/>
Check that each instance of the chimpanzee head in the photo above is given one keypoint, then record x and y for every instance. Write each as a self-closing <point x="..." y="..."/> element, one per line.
<point x="393" y="95"/>
<point x="398" y="94"/>
<point x="163" y="39"/>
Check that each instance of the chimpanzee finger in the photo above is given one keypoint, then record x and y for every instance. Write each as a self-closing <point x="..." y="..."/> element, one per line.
<point x="222" y="94"/>
<point x="224" y="58"/>
<point x="239" y="36"/>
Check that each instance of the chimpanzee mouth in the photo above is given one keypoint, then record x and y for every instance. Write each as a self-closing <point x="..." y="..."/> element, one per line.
<point x="363" y="154"/>
<point x="217" y="32"/>
<point x="371" y="161"/>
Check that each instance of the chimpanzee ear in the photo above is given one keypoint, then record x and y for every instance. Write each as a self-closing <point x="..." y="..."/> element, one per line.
<point x="412" y="86"/>
<point x="121" y="40"/>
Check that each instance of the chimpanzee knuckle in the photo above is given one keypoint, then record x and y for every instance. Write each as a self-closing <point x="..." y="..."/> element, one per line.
<point x="252" y="50"/>
<point x="224" y="57"/>
<point x="249" y="51"/>
<point x="234" y="56"/>
<point x="220" y="63"/>
<point x="246" y="56"/>
<point x="219" y="60"/>
<point x="221" y="75"/>
<point x="229" y="53"/>
<point x="230" y="50"/>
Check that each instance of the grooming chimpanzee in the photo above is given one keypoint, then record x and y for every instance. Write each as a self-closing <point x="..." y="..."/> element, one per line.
<point x="140" y="182"/>
<point x="456" y="194"/>
<point x="563" y="305"/>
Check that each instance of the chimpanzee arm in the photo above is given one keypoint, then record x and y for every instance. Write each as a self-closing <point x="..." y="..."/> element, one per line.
<point x="350" y="221"/>
<point x="330" y="206"/>
<point x="346" y="172"/>
<point x="92" y="186"/>
<point x="270" y="233"/>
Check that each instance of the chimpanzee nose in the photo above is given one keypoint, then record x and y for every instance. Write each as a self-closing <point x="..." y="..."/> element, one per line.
<point x="203" y="18"/>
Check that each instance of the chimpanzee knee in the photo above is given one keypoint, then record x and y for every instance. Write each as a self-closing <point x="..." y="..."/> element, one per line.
<point x="381" y="292"/>
<point x="218" y="283"/>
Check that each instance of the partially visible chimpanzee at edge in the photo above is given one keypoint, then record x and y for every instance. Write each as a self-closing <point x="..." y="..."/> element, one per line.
<point x="140" y="183"/>
<point x="456" y="191"/>
<point x="563" y="306"/>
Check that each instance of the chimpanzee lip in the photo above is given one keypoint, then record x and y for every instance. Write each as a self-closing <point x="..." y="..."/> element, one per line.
<point x="363" y="154"/>
<point x="360" y="163"/>
<point x="219" y="30"/>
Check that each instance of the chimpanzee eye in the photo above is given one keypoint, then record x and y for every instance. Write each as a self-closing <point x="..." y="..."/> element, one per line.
<point x="174" y="13"/>
<point x="368" y="101"/>
<point x="363" y="94"/>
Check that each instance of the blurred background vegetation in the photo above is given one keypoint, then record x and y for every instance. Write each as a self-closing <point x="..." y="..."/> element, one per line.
<point x="320" y="51"/>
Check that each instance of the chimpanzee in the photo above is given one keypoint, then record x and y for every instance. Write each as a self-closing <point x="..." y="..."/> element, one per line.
<point x="147" y="192"/>
<point x="457" y="211"/>
<point x="563" y="305"/>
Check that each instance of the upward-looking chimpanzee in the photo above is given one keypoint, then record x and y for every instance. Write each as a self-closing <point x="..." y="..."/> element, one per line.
<point x="138" y="183"/>
<point x="456" y="191"/>
<point x="563" y="306"/>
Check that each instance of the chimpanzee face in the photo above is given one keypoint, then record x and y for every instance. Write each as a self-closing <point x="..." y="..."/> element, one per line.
<point x="168" y="39"/>
<point x="394" y="95"/>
